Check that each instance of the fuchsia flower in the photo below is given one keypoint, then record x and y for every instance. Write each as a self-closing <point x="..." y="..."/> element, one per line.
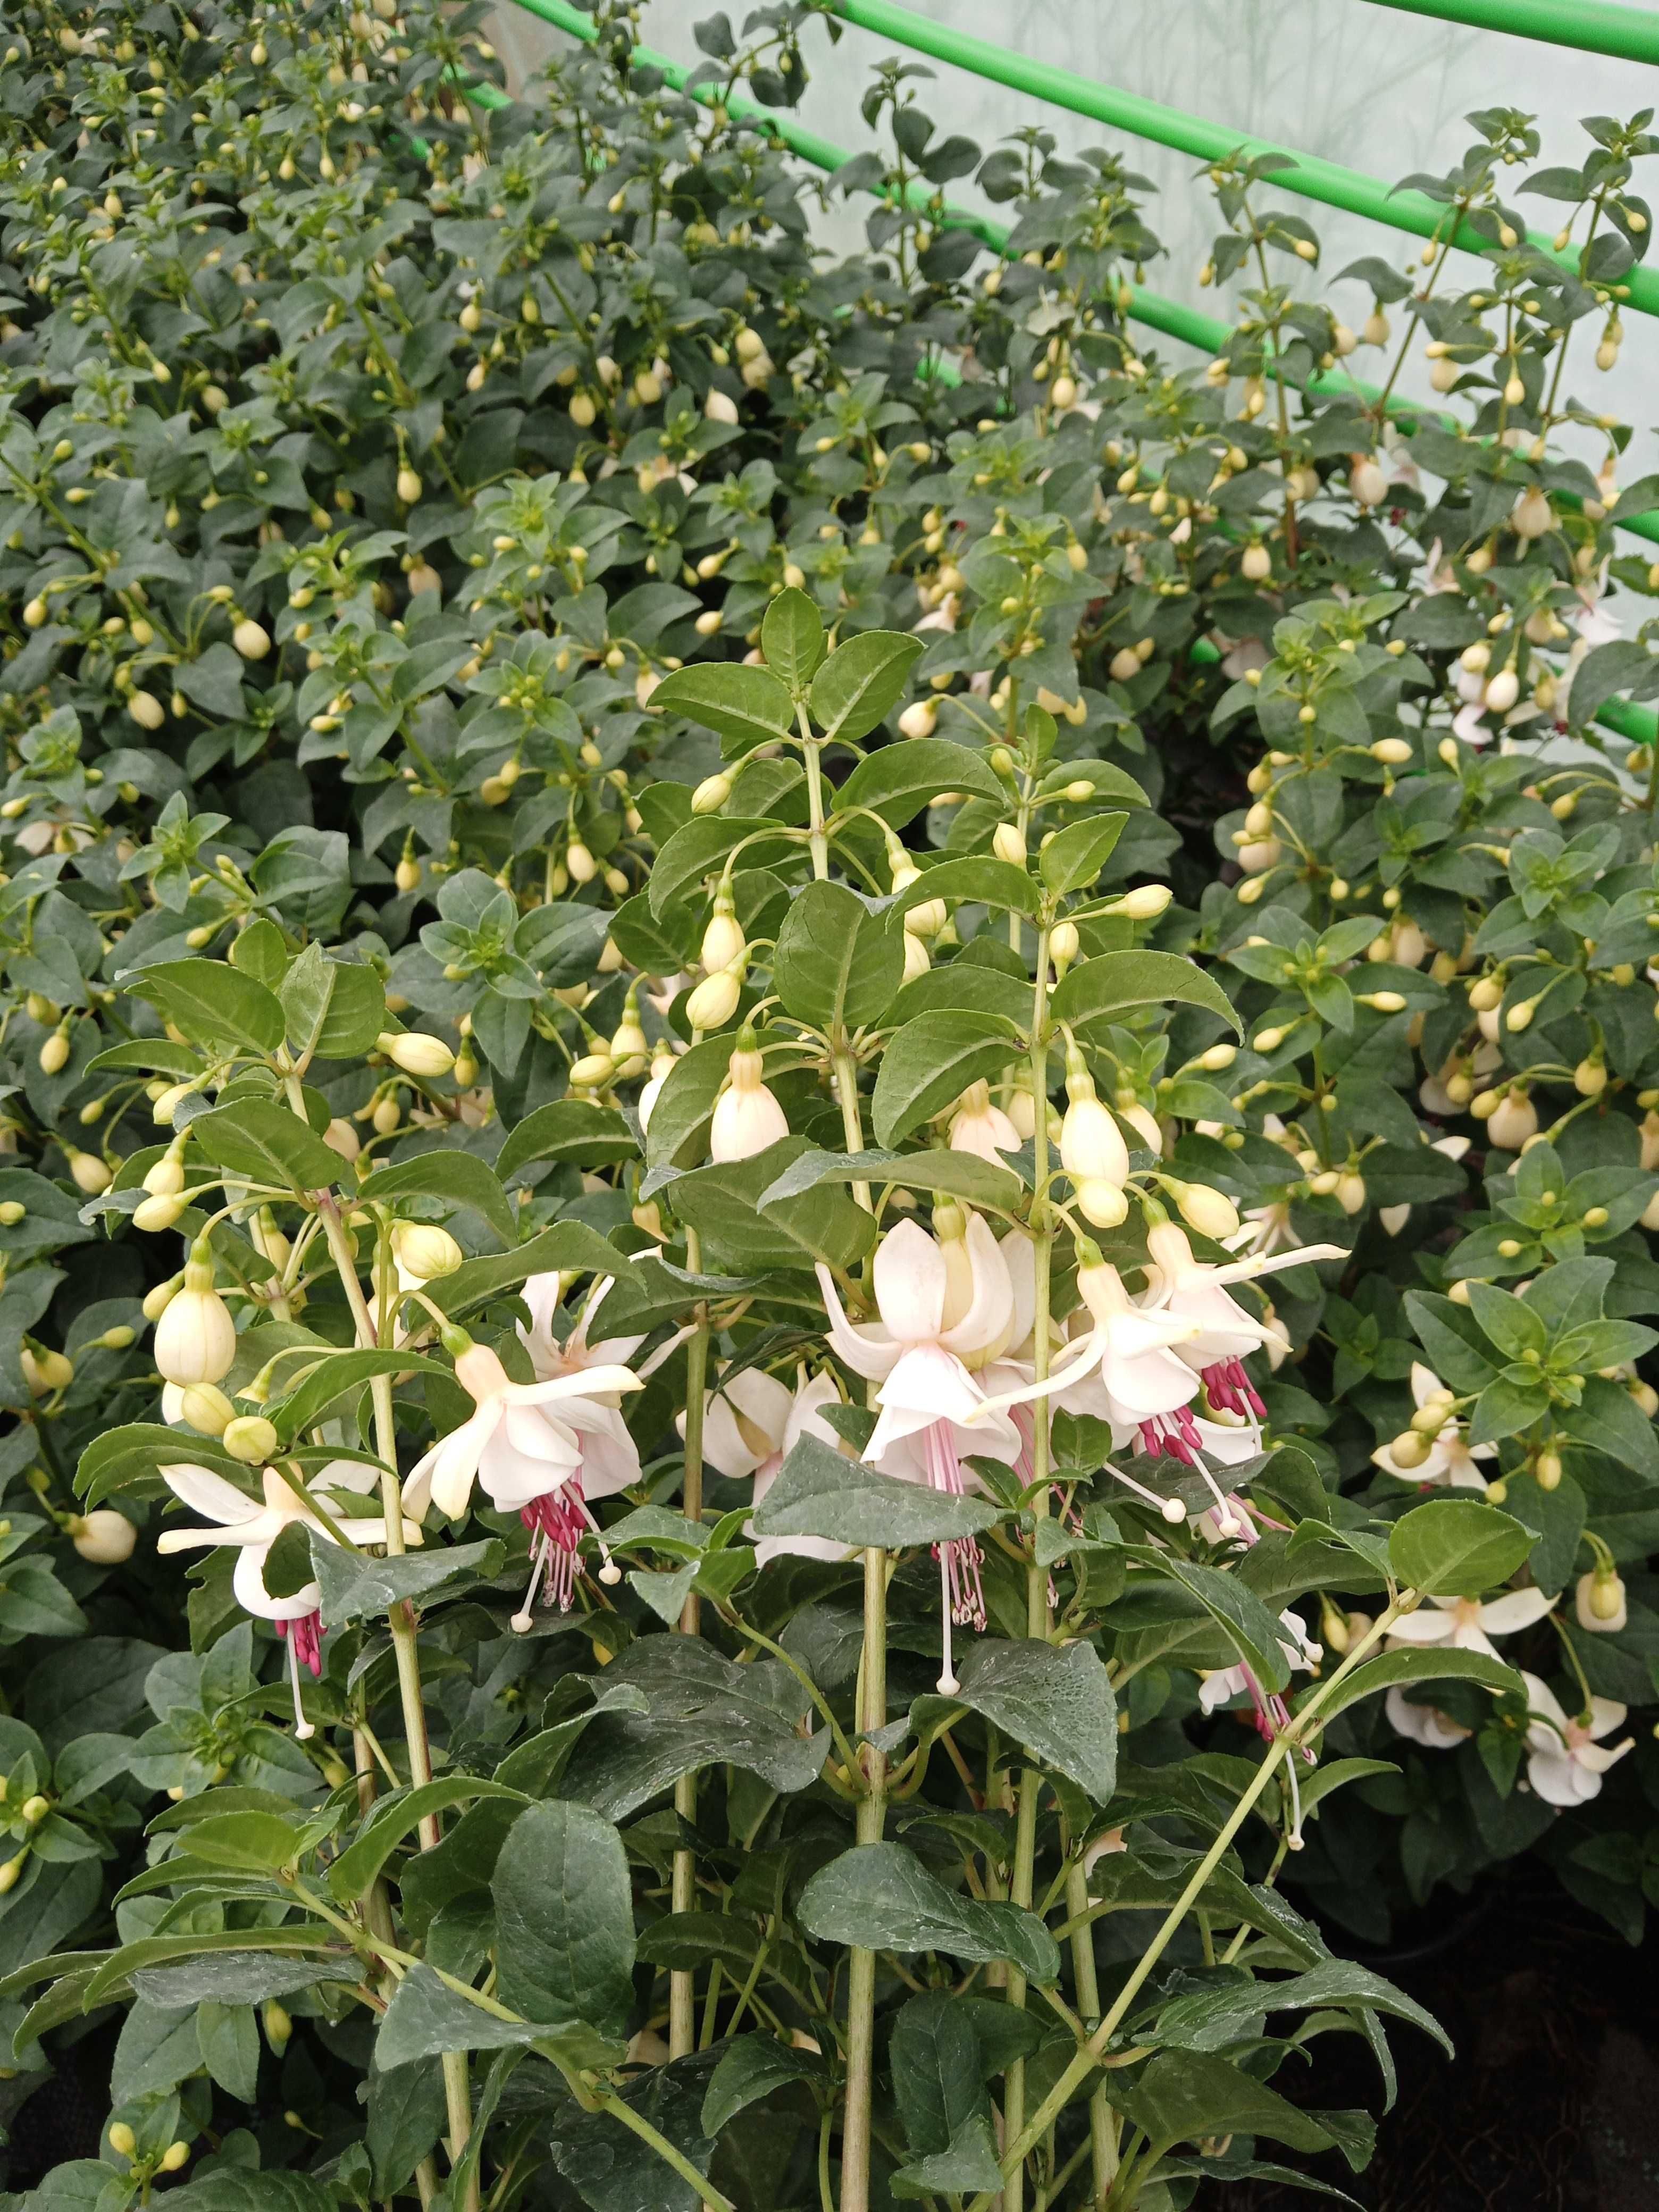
<point x="749" y="1427"/>
<point x="1566" y="1759"/>
<point x="945" y="1307"/>
<point x="541" y="1462"/>
<point x="254" y="1527"/>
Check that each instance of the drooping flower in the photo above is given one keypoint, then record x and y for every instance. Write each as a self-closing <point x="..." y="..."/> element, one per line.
<point x="540" y="1449"/>
<point x="1226" y="1333"/>
<point x="1565" y="1757"/>
<point x="1302" y="1654"/>
<point x="747" y="1117"/>
<point x="1465" y="1624"/>
<point x="945" y="1307"/>
<point x="749" y="1427"/>
<point x="1424" y="1725"/>
<point x="1452" y="1462"/>
<point x="254" y="1527"/>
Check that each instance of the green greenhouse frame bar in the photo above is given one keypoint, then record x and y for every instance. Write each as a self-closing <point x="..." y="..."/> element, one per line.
<point x="1185" y="324"/>
<point x="1628" y="35"/>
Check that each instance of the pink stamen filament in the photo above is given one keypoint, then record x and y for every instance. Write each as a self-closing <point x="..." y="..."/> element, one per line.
<point x="557" y="1520"/>
<point x="962" y="1593"/>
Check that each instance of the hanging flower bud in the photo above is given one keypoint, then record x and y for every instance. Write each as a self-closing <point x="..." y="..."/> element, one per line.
<point x="723" y="940"/>
<point x="715" y="1000"/>
<point x="196" y="1336"/>
<point x="1091" y="1148"/>
<point x="981" y="1128"/>
<point x="1211" y="1212"/>
<point x="424" y="1250"/>
<point x="44" y="1371"/>
<point x="1368" y="483"/>
<point x="747" y="1117"/>
<point x="91" y="1174"/>
<point x="712" y="793"/>
<point x="916" y="959"/>
<point x="166" y="1177"/>
<point x="250" y="639"/>
<point x="629" y="1045"/>
<point x="416" y="1053"/>
<point x="1533" y="516"/>
<point x="662" y="1068"/>
<point x="1008" y="843"/>
<point x="206" y="1408"/>
<point x="1514" y="1120"/>
<point x="104" y="1538"/>
<point x="251" y="1438"/>
<point x="1600" y="1601"/>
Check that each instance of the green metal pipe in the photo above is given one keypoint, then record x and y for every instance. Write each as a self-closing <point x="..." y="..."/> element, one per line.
<point x="1314" y="178"/>
<point x="1628" y="34"/>
<point x="1185" y="324"/>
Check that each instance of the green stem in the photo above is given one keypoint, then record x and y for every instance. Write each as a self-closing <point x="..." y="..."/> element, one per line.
<point x="682" y="1982"/>
<point x="812" y="750"/>
<point x="855" y="2133"/>
<point x="1103" y="2124"/>
<point x="1083" y="2063"/>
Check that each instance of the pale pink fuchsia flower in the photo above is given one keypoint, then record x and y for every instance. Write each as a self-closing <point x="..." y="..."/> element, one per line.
<point x="1424" y="1725"/>
<point x="254" y="1527"/>
<point x="542" y="1463"/>
<point x="1452" y="1463"/>
<point x="1466" y="1624"/>
<point x="943" y="1307"/>
<point x="1273" y="1716"/>
<point x="1566" y="1759"/>
<point x="1225" y="1333"/>
<point x="749" y="1427"/>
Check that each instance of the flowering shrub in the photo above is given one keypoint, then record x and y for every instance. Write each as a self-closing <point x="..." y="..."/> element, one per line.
<point x="836" y="1400"/>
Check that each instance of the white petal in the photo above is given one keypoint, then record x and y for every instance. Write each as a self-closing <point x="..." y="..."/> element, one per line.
<point x="867" y="1348"/>
<point x="586" y="1382"/>
<point x="203" y="1491"/>
<point x="910" y="1284"/>
<point x="1559" y="1780"/>
<point x="248" y="1582"/>
<point x="1516" y="1609"/>
<point x="1423" y="1629"/>
<point x="989" y="1317"/>
<point x="1541" y="1698"/>
<point x="1606" y="1715"/>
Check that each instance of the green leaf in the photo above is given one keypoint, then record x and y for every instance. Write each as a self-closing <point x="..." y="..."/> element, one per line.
<point x="721" y="1203"/>
<point x="575" y="1247"/>
<point x="743" y="706"/>
<point x="1188" y="2095"/>
<point x="573" y="1129"/>
<point x="1256" y="1633"/>
<point x="240" y="1977"/>
<point x="791" y="638"/>
<point x="979" y="880"/>
<point x="937" y="2071"/>
<point x="881" y="1897"/>
<point x="426" y="2017"/>
<point x="335" y="1374"/>
<point x="212" y="1003"/>
<point x="244" y="2190"/>
<point x="1074" y="857"/>
<point x="357" y="1588"/>
<point x="1106" y="986"/>
<point x="837" y="965"/>
<point x="1393" y="1670"/>
<point x="818" y="1493"/>
<point x="564" y="1911"/>
<point x="266" y="1143"/>
<point x="702" y="847"/>
<point x="612" y="2169"/>
<point x="930" y="1062"/>
<point x="332" y="1010"/>
<point x="261" y="1842"/>
<point x="861" y="682"/>
<point x="394" y="1817"/>
<point x="751" y="2069"/>
<point x="899" y="781"/>
<point x="457" y="1178"/>
<point x="953" y="1175"/>
<point x="1456" y="1547"/>
<point x="966" y="2165"/>
<point x="1055" y="1700"/>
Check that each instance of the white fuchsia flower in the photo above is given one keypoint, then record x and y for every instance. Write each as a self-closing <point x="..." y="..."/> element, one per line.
<point x="1225" y="1333"/>
<point x="750" y="1425"/>
<point x="540" y="1449"/>
<point x="1451" y="1463"/>
<point x="944" y="1306"/>
<point x="1566" y="1759"/>
<point x="747" y="1118"/>
<point x="1466" y="1624"/>
<point x="1424" y="1725"/>
<point x="252" y="1528"/>
<point x="1273" y="1716"/>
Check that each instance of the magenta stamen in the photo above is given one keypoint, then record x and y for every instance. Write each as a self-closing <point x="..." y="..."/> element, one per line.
<point x="557" y="1520"/>
<point x="307" y="1633"/>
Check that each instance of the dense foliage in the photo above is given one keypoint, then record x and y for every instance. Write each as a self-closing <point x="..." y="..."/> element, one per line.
<point x="680" y="922"/>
